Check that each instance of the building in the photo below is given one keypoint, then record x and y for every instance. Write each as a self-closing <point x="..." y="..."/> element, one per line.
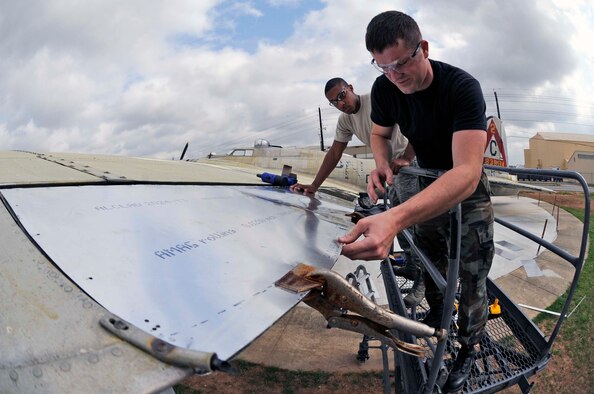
<point x="359" y="151"/>
<point x="565" y="151"/>
<point x="583" y="162"/>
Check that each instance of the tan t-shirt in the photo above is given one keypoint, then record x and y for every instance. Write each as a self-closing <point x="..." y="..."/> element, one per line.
<point x="359" y="124"/>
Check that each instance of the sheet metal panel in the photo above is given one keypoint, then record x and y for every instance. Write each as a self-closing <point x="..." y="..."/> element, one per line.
<point x="21" y="168"/>
<point x="28" y="167"/>
<point x="146" y="169"/>
<point x="50" y="339"/>
<point x="192" y="265"/>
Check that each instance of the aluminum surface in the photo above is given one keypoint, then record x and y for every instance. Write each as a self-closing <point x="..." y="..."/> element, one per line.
<point x="192" y="265"/>
<point x="51" y="340"/>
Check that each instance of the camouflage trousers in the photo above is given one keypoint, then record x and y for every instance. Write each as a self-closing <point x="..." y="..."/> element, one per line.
<point x="404" y="187"/>
<point x="476" y="256"/>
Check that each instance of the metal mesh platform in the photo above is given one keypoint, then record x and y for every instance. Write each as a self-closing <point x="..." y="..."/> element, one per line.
<point x="503" y="356"/>
<point x="510" y="350"/>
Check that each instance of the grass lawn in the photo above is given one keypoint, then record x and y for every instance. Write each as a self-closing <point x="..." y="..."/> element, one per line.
<point x="571" y="369"/>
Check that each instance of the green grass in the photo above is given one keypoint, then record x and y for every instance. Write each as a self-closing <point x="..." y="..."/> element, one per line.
<point x="258" y="379"/>
<point x="578" y="330"/>
<point x="272" y="375"/>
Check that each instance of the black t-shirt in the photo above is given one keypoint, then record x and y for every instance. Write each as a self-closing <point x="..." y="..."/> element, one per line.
<point x="453" y="102"/>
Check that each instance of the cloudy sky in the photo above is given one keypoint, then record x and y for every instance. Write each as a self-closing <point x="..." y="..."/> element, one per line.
<point x="143" y="77"/>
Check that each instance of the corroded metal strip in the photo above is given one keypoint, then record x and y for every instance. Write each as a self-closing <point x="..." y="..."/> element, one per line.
<point x="199" y="362"/>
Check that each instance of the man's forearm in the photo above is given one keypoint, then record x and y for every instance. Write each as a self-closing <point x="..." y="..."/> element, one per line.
<point x="409" y="153"/>
<point x="328" y="165"/>
<point x="448" y="190"/>
<point x="381" y="149"/>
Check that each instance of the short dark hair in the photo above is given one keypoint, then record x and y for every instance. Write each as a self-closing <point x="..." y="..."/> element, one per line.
<point x="333" y="82"/>
<point x="385" y="29"/>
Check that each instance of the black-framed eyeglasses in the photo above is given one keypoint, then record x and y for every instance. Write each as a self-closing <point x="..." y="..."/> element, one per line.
<point x="341" y="96"/>
<point x="396" y="65"/>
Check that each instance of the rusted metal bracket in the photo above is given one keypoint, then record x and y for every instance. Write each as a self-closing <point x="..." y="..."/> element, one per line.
<point x="332" y="296"/>
<point x="199" y="362"/>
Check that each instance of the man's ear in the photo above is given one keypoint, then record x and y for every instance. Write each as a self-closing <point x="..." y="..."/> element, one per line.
<point x="425" y="48"/>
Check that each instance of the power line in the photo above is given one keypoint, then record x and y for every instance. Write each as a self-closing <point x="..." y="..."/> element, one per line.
<point x="304" y="124"/>
<point x="548" y="121"/>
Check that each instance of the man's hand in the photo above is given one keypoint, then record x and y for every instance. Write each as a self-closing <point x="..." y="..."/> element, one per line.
<point x="377" y="178"/>
<point x="397" y="164"/>
<point x="379" y="232"/>
<point x="306" y="189"/>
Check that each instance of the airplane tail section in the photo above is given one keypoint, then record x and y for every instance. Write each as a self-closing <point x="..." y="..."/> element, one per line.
<point x="496" y="148"/>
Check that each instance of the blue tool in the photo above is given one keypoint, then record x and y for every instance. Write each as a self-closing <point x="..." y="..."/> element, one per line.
<point x="277" y="180"/>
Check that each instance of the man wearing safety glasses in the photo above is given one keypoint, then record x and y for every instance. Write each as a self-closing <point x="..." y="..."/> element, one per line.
<point x="441" y="110"/>
<point x="354" y="120"/>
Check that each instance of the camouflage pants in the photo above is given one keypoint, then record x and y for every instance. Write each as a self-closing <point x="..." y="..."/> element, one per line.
<point x="476" y="256"/>
<point x="404" y="187"/>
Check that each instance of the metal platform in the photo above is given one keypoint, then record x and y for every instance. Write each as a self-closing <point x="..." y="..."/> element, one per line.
<point x="513" y="348"/>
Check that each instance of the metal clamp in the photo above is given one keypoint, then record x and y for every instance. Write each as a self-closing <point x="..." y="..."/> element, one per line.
<point x="332" y="296"/>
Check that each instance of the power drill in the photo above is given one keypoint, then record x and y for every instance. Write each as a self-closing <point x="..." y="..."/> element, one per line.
<point x="278" y="180"/>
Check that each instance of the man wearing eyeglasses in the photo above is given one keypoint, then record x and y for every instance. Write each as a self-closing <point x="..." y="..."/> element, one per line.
<point x="441" y="110"/>
<point x="355" y="120"/>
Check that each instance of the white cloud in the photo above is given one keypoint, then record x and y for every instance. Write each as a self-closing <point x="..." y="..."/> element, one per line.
<point x="144" y="77"/>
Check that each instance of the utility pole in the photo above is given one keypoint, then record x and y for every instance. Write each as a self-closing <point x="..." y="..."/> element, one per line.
<point x="497" y="104"/>
<point x="184" y="151"/>
<point x="321" y="130"/>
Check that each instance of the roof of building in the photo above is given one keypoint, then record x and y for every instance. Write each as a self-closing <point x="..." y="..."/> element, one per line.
<point x="565" y="136"/>
<point x="582" y="155"/>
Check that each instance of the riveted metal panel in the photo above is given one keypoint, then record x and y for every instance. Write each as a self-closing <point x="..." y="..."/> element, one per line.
<point x="50" y="337"/>
<point x="192" y="265"/>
